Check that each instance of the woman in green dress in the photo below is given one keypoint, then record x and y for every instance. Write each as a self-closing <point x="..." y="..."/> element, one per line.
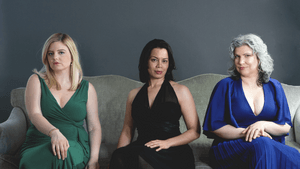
<point x="57" y="101"/>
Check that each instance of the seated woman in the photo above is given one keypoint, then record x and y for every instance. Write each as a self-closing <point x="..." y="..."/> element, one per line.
<point x="155" y="109"/>
<point x="248" y="115"/>
<point x="57" y="101"/>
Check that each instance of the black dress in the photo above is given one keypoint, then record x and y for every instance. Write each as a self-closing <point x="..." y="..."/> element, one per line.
<point x="161" y="121"/>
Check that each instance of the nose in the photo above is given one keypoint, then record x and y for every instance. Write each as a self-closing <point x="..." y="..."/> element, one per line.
<point x="55" y="56"/>
<point x="241" y="60"/>
<point x="158" y="64"/>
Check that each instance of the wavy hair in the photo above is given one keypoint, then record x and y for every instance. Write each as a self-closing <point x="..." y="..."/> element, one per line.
<point x="259" y="48"/>
<point x="75" y="69"/>
<point x="144" y="59"/>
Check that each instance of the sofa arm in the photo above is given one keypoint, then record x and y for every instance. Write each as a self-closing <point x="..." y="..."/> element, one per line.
<point x="297" y="125"/>
<point x="13" y="132"/>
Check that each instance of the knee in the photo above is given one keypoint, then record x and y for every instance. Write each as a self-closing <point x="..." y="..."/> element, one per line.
<point x="262" y="145"/>
<point x="118" y="154"/>
<point x="122" y="158"/>
<point x="118" y="158"/>
<point x="262" y="141"/>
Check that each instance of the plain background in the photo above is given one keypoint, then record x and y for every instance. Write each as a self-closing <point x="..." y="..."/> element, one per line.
<point x="111" y="34"/>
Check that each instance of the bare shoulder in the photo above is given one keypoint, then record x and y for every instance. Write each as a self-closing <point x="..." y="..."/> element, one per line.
<point x="133" y="93"/>
<point x="33" y="87"/>
<point x="91" y="87"/>
<point x="183" y="94"/>
<point x="179" y="88"/>
<point x="33" y="80"/>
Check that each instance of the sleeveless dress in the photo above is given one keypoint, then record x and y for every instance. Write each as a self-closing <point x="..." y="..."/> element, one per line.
<point x="36" y="151"/>
<point x="161" y="121"/>
<point x="228" y="105"/>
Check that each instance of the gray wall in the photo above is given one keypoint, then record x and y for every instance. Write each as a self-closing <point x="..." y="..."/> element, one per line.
<point x="111" y="35"/>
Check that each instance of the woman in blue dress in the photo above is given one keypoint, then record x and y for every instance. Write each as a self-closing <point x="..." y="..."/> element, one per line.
<point x="248" y="116"/>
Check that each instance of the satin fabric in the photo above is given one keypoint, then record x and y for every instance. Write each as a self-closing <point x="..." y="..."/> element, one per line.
<point x="161" y="121"/>
<point x="228" y="105"/>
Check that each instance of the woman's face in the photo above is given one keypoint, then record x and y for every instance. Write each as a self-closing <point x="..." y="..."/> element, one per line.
<point x="59" y="56"/>
<point x="158" y="63"/>
<point x="246" y="62"/>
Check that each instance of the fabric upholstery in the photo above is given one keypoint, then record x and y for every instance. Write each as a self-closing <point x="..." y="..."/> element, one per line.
<point x="112" y="92"/>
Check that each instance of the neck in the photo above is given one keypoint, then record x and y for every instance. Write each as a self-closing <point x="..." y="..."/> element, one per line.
<point x="156" y="82"/>
<point x="63" y="77"/>
<point x="250" y="81"/>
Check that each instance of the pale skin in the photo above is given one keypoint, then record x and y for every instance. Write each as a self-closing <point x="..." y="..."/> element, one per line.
<point x="246" y="63"/>
<point x="60" y="60"/>
<point x="157" y="67"/>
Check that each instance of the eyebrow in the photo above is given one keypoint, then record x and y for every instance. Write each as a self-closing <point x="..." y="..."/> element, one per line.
<point x="57" y="50"/>
<point x="251" y="53"/>
<point x="157" y="57"/>
<point x="248" y="53"/>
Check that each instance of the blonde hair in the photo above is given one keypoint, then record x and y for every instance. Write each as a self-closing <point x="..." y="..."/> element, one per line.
<point x="75" y="73"/>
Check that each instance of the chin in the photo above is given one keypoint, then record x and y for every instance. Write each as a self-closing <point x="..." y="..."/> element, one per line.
<point x="158" y="77"/>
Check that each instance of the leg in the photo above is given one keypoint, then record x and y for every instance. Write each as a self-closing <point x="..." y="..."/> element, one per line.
<point x="124" y="158"/>
<point x="267" y="153"/>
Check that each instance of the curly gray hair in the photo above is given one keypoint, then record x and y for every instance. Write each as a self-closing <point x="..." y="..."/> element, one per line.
<point x="265" y="65"/>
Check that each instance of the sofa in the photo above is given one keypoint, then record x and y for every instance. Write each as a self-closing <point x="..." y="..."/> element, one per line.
<point x="112" y="91"/>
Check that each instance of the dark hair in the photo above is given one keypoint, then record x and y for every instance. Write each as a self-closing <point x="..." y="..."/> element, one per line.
<point x="144" y="58"/>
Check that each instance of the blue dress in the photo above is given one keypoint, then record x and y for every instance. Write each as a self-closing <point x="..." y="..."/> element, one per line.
<point x="228" y="105"/>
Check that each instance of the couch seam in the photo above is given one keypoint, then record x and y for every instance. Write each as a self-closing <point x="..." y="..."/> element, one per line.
<point x="8" y="161"/>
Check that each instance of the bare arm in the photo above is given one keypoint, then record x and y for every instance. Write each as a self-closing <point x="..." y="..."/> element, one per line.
<point x="128" y="126"/>
<point x="190" y="116"/>
<point x="32" y="102"/>
<point x="94" y="127"/>
<point x="262" y="127"/>
<point x="270" y="127"/>
<point x="229" y="132"/>
<point x="59" y="143"/>
<point x="276" y="129"/>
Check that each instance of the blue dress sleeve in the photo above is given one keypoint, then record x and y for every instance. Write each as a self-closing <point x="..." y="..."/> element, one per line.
<point x="283" y="113"/>
<point x="218" y="113"/>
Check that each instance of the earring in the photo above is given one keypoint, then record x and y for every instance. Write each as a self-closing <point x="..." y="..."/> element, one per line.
<point x="71" y="63"/>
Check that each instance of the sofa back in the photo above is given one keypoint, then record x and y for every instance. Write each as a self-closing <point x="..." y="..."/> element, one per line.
<point x="112" y="92"/>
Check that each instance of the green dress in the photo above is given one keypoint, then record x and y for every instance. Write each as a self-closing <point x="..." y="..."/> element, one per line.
<point x="36" y="152"/>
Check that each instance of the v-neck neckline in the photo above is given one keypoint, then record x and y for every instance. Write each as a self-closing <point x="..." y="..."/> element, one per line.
<point x="154" y="101"/>
<point x="241" y="87"/>
<point x="55" y="98"/>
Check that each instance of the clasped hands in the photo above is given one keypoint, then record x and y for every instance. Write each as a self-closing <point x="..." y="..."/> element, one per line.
<point x="255" y="130"/>
<point x="161" y="144"/>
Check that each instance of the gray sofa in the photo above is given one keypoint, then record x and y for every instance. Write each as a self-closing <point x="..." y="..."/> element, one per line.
<point x="112" y="93"/>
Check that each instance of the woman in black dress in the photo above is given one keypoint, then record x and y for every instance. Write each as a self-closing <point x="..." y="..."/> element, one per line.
<point x="155" y="109"/>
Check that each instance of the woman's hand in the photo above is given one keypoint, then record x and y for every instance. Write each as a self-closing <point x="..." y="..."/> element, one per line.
<point x="92" y="165"/>
<point x="161" y="144"/>
<point x="255" y="130"/>
<point x="59" y="144"/>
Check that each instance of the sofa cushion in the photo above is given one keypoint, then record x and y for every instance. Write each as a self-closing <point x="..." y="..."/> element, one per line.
<point x="9" y="162"/>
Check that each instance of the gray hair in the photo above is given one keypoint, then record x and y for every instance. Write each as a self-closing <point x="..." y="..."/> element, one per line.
<point x="259" y="48"/>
